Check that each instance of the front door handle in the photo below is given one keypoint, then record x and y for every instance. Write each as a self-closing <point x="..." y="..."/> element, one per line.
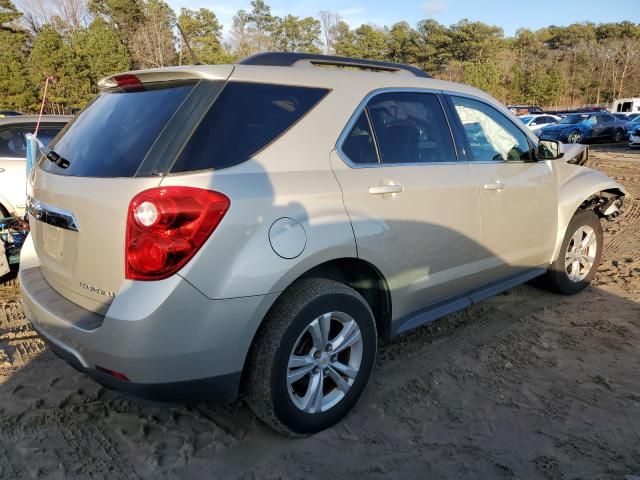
<point x="494" y="186"/>
<point x="1" y="170"/>
<point x="394" y="188"/>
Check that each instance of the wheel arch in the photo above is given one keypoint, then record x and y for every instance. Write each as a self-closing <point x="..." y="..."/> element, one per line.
<point x="355" y="272"/>
<point x="587" y="189"/>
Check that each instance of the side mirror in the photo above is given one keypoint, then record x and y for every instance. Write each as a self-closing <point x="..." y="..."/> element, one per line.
<point x="550" y="150"/>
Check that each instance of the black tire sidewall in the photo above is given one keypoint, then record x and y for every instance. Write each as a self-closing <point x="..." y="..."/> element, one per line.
<point x="617" y="137"/>
<point x="583" y="218"/>
<point x="579" y="139"/>
<point x="296" y="420"/>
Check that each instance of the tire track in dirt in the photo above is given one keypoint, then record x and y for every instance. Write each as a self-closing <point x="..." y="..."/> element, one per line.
<point x="629" y="223"/>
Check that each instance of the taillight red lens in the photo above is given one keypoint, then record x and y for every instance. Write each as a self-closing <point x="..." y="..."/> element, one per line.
<point x="166" y="226"/>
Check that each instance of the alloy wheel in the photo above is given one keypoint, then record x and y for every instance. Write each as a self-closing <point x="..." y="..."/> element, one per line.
<point x="581" y="253"/>
<point x="324" y="362"/>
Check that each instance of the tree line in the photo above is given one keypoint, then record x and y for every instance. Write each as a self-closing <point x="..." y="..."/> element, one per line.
<point x="76" y="42"/>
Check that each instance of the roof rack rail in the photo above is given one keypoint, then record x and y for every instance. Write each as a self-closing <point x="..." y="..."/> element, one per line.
<point x="288" y="59"/>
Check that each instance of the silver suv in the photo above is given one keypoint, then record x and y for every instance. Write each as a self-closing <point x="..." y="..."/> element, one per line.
<point x="208" y="230"/>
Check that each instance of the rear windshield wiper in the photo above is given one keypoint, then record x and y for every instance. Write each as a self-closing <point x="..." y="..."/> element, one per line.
<point x="57" y="159"/>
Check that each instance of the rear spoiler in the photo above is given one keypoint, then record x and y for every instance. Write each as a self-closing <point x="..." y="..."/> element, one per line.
<point x="191" y="72"/>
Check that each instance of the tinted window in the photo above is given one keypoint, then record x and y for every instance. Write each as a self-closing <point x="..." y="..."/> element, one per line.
<point x="605" y="119"/>
<point x="12" y="143"/>
<point x="411" y="127"/>
<point x="491" y="136"/>
<point x="244" y="119"/>
<point x="359" y="146"/>
<point x="113" y="135"/>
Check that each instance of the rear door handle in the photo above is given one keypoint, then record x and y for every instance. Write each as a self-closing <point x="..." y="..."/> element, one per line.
<point x="494" y="186"/>
<point x="1" y="170"/>
<point x="386" y="189"/>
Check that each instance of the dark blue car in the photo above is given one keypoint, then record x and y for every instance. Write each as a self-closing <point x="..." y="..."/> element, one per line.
<point x="583" y="127"/>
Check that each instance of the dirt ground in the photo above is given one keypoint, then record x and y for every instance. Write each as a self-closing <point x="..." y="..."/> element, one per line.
<point x="525" y="385"/>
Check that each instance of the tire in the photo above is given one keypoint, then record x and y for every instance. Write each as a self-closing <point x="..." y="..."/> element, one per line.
<point x="617" y="137"/>
<point x="287" y="331"/>
<point x="559" y="276"/>
<point x="575" y="137"/>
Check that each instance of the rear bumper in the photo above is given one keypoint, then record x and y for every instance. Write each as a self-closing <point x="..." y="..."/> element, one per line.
<point x="171" y="342"/>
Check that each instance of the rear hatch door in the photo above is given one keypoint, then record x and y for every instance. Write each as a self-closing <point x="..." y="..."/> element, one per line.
<point x="122" y="144"/>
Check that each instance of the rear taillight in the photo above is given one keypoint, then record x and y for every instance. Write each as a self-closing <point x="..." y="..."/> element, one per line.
<point x="166" y="226"/>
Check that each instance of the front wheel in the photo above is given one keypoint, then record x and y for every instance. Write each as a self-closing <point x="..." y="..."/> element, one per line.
<point x="575" y="137"/>
<point x="579" y="256"/>
<point x="312" y="358"/>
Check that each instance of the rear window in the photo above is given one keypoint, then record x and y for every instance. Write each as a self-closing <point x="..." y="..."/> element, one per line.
<point x="113" y="135"/>
<point x="244" y="119"/>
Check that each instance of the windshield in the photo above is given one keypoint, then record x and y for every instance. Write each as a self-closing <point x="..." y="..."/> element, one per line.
<point x="573" y="119"/>
<point x="526" y="119"/>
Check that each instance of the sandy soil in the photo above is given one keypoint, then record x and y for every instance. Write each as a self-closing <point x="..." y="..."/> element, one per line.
<point x="525" y="385"/>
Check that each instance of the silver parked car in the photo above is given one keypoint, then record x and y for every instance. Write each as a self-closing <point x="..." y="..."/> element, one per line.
<point x="13" y="156"/>
<point x="208" y="230"/>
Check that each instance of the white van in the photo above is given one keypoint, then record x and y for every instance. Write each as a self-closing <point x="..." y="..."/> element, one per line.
<point x="626" y="105"/>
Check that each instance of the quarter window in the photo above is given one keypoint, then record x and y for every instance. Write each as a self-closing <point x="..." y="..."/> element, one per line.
<point x="244" y="119"/>
<point x="359" y="145"/>
<point x="410" y="128"/>
<point x="491" y="136"/>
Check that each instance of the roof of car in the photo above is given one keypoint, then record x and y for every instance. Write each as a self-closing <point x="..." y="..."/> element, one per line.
<point x="22" y="119"/>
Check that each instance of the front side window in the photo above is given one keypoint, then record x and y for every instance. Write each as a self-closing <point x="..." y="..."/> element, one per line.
<point x="411" y="127"/>
<point x="491" y="136"/>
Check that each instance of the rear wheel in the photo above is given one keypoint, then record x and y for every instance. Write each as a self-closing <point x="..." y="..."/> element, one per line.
<point x="575" y="137"/>
<point x="617" y="137"/>
<point x="579" y="256"/>
<point x="312" y="358"/>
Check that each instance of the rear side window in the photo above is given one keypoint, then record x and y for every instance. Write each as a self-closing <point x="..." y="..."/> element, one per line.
<point x="411" y="128"/>
<point x="244" y="119"/>
<point x="359" y="145"/>
<point x="113" y="135"/>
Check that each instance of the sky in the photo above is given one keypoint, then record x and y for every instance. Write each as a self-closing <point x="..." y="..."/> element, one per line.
<point x="510" y="15"/>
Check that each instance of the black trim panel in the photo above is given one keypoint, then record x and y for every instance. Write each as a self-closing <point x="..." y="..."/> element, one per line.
<point x="460" y="302"/>
<point x="287" y="59"/>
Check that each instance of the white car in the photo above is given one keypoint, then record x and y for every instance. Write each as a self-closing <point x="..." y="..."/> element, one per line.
<point x="13" y="157"/>
<point x="538" y="121"/>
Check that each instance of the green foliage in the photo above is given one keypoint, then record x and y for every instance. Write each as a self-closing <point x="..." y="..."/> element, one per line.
<point x="100" y="51"/>
<point x="292" y="34"/>
<point x="579" y="64"/>
<point x="52" y="56"/>
<point x="203" y="31"/>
